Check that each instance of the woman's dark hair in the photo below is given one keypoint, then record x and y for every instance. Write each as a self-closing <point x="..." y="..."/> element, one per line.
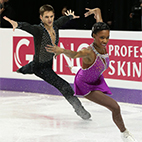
<point x="44" y="8"/>
<point x="99" y="26"/>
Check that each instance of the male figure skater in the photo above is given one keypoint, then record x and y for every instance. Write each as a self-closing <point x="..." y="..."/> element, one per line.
<point x="47" y="33"/>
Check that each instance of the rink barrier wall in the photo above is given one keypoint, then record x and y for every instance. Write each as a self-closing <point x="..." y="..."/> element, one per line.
<point x="34" y="86"/>
<point x="124" y="75"/>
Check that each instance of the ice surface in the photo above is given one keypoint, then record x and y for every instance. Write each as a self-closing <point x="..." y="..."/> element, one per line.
<point x="29" y="117"/>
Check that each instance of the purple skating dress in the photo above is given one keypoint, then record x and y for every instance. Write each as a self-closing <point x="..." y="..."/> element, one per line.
<point x="91" y="79"/>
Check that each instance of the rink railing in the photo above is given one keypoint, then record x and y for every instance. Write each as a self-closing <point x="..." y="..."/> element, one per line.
<point x="124" y="75"/>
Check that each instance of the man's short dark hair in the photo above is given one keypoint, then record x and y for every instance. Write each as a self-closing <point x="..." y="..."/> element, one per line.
<point x="44" y="8"/>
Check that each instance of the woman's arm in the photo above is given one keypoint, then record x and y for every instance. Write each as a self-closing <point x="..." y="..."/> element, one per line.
<point x="96" y="12"/>
<point x="84" y="53"/>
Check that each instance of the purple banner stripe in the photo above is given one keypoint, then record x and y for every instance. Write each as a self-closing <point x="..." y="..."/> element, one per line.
<point x="34" y="86"/>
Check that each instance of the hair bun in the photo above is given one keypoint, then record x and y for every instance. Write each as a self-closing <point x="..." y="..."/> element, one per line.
<point x="99" y="26"/>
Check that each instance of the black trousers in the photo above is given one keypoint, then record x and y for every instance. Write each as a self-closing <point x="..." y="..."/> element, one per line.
<point x="45" y="71"/>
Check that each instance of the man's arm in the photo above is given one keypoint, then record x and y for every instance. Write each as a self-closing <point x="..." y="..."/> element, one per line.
<point x="22" y="25"/>
<point x="13" y="23"/>
<point x="64" y="19"/>
<point x="32" y="29"/>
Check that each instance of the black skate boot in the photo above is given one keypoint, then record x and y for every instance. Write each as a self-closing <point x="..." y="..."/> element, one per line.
<point x="83" y="113"/>
<point x="18" y="71"/>
<point x="79" y="109"/>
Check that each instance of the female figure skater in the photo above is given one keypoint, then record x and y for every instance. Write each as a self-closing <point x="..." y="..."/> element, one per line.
<point x="89" y="81"/>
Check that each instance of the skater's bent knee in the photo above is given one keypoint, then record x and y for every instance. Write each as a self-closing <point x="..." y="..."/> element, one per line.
<point x="116" y="109"/>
